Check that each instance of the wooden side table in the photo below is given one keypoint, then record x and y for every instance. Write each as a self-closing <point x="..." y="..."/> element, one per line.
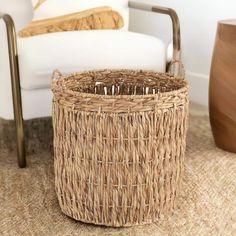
<point x="222" y="94"/>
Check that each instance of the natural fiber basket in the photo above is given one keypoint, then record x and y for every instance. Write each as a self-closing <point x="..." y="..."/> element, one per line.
<point x="119" y="139"/>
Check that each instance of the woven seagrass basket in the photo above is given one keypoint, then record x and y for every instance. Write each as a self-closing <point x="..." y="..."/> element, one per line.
<point x="119" y="141"/>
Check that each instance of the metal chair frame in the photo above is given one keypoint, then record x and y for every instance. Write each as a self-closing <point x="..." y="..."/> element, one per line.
<point x="15" y="75"/>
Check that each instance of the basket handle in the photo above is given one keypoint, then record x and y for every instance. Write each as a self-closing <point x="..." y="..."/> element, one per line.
<point x="56" y="75"/>
<point x="176" y="67"/>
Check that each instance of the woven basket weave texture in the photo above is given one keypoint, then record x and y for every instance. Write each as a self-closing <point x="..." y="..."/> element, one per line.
<point x="119" y="142"/>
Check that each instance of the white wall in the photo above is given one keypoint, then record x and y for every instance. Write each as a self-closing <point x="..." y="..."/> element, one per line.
<point x="198" y="25"/>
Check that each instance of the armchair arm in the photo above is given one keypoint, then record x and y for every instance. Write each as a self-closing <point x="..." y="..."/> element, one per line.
<point x="176" y="60"/>
<point x="16" y="88"/>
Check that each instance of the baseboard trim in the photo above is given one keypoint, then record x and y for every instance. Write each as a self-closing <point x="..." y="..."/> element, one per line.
<point x="198" y="88"/>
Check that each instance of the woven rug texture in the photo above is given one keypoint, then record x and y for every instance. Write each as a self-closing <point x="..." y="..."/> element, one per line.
<point x="206" y="206"/>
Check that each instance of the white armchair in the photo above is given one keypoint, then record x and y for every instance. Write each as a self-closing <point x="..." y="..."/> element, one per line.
<point x="26" y="77"/>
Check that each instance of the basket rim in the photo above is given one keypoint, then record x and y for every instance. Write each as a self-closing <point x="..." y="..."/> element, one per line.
<point x="124" y="96"/>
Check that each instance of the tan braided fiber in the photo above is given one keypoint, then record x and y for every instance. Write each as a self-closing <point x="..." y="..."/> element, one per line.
<point x="119" y="142"/>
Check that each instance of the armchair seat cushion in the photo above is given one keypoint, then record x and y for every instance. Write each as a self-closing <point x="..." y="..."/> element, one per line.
<point x="86" y="50"/>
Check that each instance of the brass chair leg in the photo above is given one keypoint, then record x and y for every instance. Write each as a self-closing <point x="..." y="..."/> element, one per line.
<point x="16" y="89"/>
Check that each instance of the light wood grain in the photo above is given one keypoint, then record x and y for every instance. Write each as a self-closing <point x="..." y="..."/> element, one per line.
<point x="223" y="87"/>
<point x="91" y="19"/>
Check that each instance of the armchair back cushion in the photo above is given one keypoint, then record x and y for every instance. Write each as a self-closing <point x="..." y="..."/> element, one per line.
<point x="54" y="8"/>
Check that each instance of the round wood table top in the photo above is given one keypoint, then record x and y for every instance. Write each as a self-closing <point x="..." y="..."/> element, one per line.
<point x="228" y="22"/>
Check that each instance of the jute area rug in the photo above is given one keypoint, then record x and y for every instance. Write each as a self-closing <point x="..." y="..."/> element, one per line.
<point x="207" y="205"/>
